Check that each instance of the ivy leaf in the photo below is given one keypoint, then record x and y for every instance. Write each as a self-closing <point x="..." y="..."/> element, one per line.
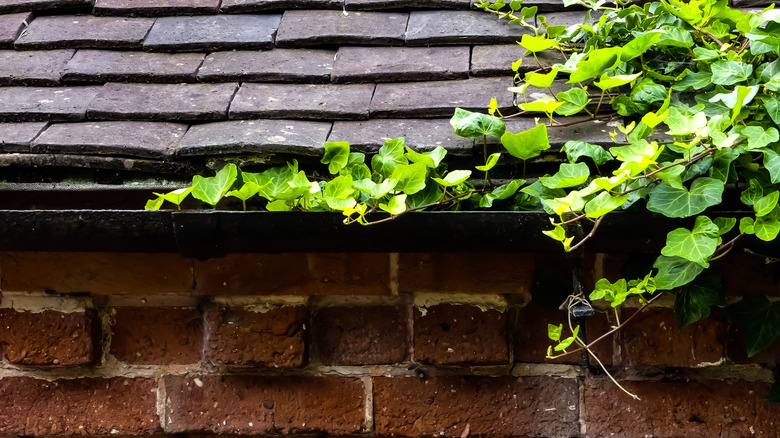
<point x="396" y="205"/>
<point x="603" y="204"/>
<point x="640" y="44"/>
<point x="598" y="62"/>
<point x="758" y="320"/>
<point x="211" y="190"/>
<point x="680" y="123"/>
<point x="694" y="80"/>
<point x="753" y="193"/>
<point x="675" y="272"/>
<point x="544" y="105"/>
<point x="537" y="43"/>
<point x="176" y="196"/>
<point x="390" y="155"/>
<point x="573" y="101"/>
<point x="606" y="82"/>
<point x="501" y="192"/>
<point x="576" y="149"/>
<point x="373" y="189"/>
<point x="430" y="194"/>
<point x="696" y="245"/>
<point x="568" y="175"/>
<point x="473" y="125"/>
<point x="730" y="72"/>
<point x="336" y="155"/>
<point x="338" y="193"/>
<point x="490" y="163"/>
<point x="766" y="228"/>
<point x="766" y="204"/>
<point x="410" y="177"/>
<point x="246" y="191"/>
<point x="527" y="144"/>
<point x="541" y="80"/>
<point x="674" y="36"/>
<point x="554" y="332"/>
<point x="431" y="159"/>
<point x="725" y="224"/>
<point x="694" y="300"/>
<point x="758" y="137"/>
<point x="154" y="204"/>
<point x="453" y="178"/>
<point x="681" y="202"/>
<point x="772" y="164"/>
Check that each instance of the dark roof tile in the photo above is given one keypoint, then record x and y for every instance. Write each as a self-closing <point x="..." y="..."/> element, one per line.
<point x="419" y="134"/>
<point x="138" y="139"/>
<point x="302" y="101"/>
<point x="459" y="27"/>
<point x="590" y="131"/>
<point x="386" y="64"/>
<point x="84" y="31"/>
<point x="48" y="103"/>
<point x="324" y="28"/>
<point x="174" y="102"/>
<point x="155" y="7"/>
<point x="568" y="18"/>
<point x="214" y="32"/>
<point x="16" y="137"/>
<point x="279" y="65"/>
<point x="30" y="5"/>
<point x="33" y="68"/>
<point x="256" y="136"/>
<point x="376" y="5"/>
<point x="497" y="60"/>
<point x="439" y="98"/>
<point x="113" y="66"/>
<point x="236" y="6"/>
<point x="10" y="27"/>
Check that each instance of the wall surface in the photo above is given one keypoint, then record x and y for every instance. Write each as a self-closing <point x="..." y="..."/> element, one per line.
<point x="358" y="344"/>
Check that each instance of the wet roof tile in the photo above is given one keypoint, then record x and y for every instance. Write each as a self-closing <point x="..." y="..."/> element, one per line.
<point x="327" y="28"/>
<point x="213" y="32"/>
<point x="154" y="8"/>
<point x="278" y="65"/>
<point x="45" y="103"/>
<point x="302" y="101"/>
<point x="113" y="66"/>
<point x="84" y="31"/>
<point x="33" y="68"/>
<point x="388" y="64"/>
<point x="16" y="137"/>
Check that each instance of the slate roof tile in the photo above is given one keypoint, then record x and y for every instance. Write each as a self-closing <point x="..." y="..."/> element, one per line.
<point x="238" y="6"/>
<point x="256" y="136"/>
<point x="33" y="68"/>
<point x="113" y="66"/>
<point x="376" y="5"/>
<point x="84" y="31"/>
<point x="34" y="5"/>
<point x="459" y="27"/>
<point x="278" y="65"/>
<point x="16" y="137"/>
<point x="172" y="102"/>
<point x="302" y="101"/>
<point x="154" y="8"/>
<point x="439" y="98"/>
<point x="10" y="27"/>
<point x="387" y="64"/>
<point x="327" y="28"/>
<point x="138" y="139"/>
<point x="495" y="60"/>
<point x="419" y="134"/>
<point x="48" y="103"/>
<point x="595" y="132"/>
<point x="213" y="32"/>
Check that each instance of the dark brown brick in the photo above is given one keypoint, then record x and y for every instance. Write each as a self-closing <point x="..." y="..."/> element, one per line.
<point x="327" y="28"/>
<point x="496" y="60"/>
<point x="675" y="409"/>
<point x="735" y="346"/>
<point x="295" y="274"/>
<point x="157" y="335"/>
<point x="395" y="64"/>
<point x="254" y="405"/>
<point x="30" y="5"/>
<point x="11" y="25"/>
<point x="33" y="68"/>
<point x="84" y="31"/>
<point x="49" y="103"/>
<point x="32" y="407"/>
<point x="302" y="101"/>
<point x="16" y="137"/>
<point x="361" y="335"/>
<point x="114" y="66"/>
<point x="466" y="273"/>
<point x="278" y="65"/>
<point x="174" y="102"/>
<point x="652" y="338"/>
<point x="99" y="273"/>
<point x="275" y="338"/>
<point x="217" y="32"/>
<point x="155" y="7"/>
<point x="49" y="337"/>
<point x="742" y="273"/>
<point x="478" y="406"/>
<point x="460" y="27"/>
<point x="455" y="334"/>
<point x="419" y="134"/>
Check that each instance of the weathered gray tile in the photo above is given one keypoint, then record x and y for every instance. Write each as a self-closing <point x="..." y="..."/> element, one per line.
<point x="115" y="66"/>
<point x="256" y="136"/>
<point x="419" y="134"/>
<point x="46" y="103"/>
<point x="573" y="128"/>
<point x="84" y="31"/>
<point x="325" y="28"/>
<point x="544" y="5"/>
<point x="569" y="18"/>
<point x="35" y="5"/>
<point x="213" y="32"/>
<point x="154" y="8"/>
<point x="439" y="98"/>
<point x="33" y="68"/>
<point x="387" y="64"/>
<point x="16" y="137"/>
<point x="497" y="60"/>
<point x="302" y="101"/>
<point x="175" y="102"/>
<point x="137" y="139"/>
<point x="376" y="5"/>
<point x="279" y="65"/>
<point x="240" y="6"/>
<point x="459" y="27"/>
<point x="10" y="27"/>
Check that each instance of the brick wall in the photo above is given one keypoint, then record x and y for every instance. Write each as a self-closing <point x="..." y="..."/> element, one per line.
<point x="356" y="344"/>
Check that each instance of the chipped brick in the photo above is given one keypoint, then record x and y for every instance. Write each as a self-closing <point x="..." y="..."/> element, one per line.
<point x="157" y="335"/>
<point x="10" y="26"/>
<point x="460" y="27"/>
<point x="216" y="32"/>
<point x="155" y="7"/>
<point x="302" y="101"/>
<point x="16" y="137"/>
<point x="115" y="66"/>
<point x="278" y="65"/>
<point x="390" y="64"/>
<point x="33" y="104"/>
<point x="33" y="68"/>
<point x="419" y="134"/>
<point x="49" y="337"/>
<point x="361" y="335"/>
<point x="255" y="136"/>
<point x="84" y="31"/>
<point x="322" y="28"/>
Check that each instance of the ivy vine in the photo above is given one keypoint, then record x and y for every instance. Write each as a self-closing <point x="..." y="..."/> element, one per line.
<point x="695" y="87"/>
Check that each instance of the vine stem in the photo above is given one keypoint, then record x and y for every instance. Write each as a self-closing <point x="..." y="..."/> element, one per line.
<point x="586" y="238"/>
<point x="725" y="248"/>
<point x="421" y="207"/>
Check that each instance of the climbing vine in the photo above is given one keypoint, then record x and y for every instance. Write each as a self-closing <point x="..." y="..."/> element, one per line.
<point x="695" y="90"/>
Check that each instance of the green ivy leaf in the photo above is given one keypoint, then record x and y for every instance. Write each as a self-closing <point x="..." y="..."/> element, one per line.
<point x="396" y="205"/>
<point x="176" y="196"/>
<point x="537" y="43"/>
<point x="576" y="149"/>
<point x="453" y="178"/>
<point x="598" y="61"/>
<point x="554" y="332"/>
<point x="430" y="194"/>
<point x="527" y="144"/>
<point x="247" y="190"/>
<point x="410" y="177"/>
<point x="472" y="125"/>
<point x="212" y="190"/>
<point x="694" y="300"/>
<point x="491" y="162"/>
<point x="696" y="245"/>
<point x="572" y="101"/>
<point x="603" y="203"/>
<point x="681" y="202"/>
<point x="336" y="156"/>
<point x="541" y="80"/>
<point x="694" y="80"/>
<point x="154" y="204"/>
<point x="758" y="320"/>
<point x="373" y="189"/>
<point x="606" y="82"/>
<point x="772" y="165"/>
<point x="758" y="137"/>
<point x="675" y="272"/>
<point x="503" y="191"/>
<point x="766" y="204"/>
<point x="390" y="155"/>
<point x="568" y="175"/>
<point x="730" y="72"/>
<point x="431" y="159"/>
<point x="640" y="44"/>
<point x="766" y="228"/>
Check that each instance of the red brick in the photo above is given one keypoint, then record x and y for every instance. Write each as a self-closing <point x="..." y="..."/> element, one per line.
<point x="465" y="273"/>
<point x="254" y="405"/>
<point x="49" y="337"/>
<point x="157" y="335"/>
<point x="99" y="273"/>
<point x="295" y="274"/>
<point x="361" y="335"/>
<point x="653" y="339"/>
<point x="485" y="406"/>
<point x="744" y="272"/>
<point x="78" y="407"/>
<point x="735" y="346"/>
<point x="276" y="338"/>
<point x="727" y="409"/>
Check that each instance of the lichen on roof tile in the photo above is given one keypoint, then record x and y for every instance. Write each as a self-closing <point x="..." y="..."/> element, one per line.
<point x="45" y="103"/>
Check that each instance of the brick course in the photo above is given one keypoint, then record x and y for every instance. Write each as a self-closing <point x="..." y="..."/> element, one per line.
<point x="49" y="337"/>
<point x="157" y="335"/>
